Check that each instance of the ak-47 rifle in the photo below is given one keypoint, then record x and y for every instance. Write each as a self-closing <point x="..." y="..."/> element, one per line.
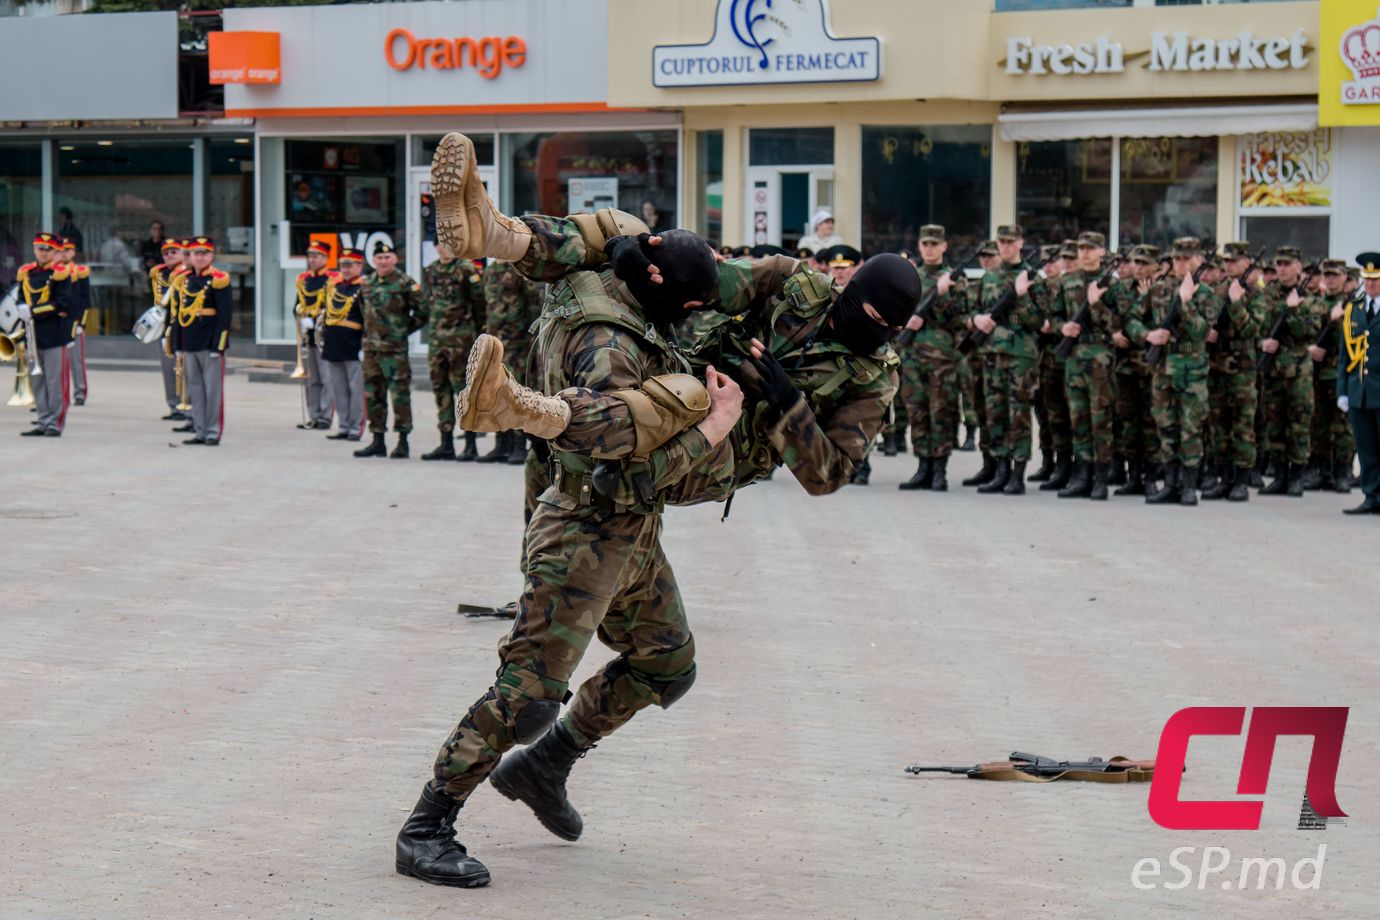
<point x="1223" y="324"/>
<point x="1032" y="768"/>
<point x="1155" y="353"/>
<point x="999" y="313"/>
<point x="1084" y="314"/>
<point x="1267" y="358"/>
<point x="1327" y="338"/>
<point x="926" y="308"/>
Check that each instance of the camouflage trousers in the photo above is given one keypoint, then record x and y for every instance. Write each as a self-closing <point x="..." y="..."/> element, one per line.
<point x="1136" y="436"/>
<point x="898" y="419"/>
<point x="1331" y="435"/>
<point x="1009" y="385"/>
<point x="929" y="393"/>
<point x="388" y="374"/>
<point x="1231" y="411"/>
<point x="1090" y="382"/>
<point x="446" y="365"/>
<point x="588" y="572"/>
<point x="1052" y="410"/>
<point x="1178" y="401"/>
<point x="967" y="391"/>
<point x="1289" y="414"/>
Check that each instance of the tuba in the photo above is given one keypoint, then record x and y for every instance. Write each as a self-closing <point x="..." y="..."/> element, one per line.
<point x="11" y="326"/>
<point x="151" y="325"/>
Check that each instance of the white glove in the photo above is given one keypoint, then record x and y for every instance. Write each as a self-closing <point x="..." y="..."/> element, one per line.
<point x="1344" y="403"/>
<point x="25" y="313"/>
<point x="308" y="324"/>
<point x="80" y="330"/>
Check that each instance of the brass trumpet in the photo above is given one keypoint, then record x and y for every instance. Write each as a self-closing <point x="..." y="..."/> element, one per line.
<point x="23" y="395"/>
<point x="180" y="368"/>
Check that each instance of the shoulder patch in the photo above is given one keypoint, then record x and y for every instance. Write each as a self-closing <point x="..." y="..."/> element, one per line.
<point x="62" y="274"/>
<point x="82" y="271"/>
<point x="304" y="276"/>
<point x="24" y="271"/>
<point x="219" y="280"/>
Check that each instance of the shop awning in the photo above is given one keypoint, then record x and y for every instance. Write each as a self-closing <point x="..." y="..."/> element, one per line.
<point x="1180" y="121"/>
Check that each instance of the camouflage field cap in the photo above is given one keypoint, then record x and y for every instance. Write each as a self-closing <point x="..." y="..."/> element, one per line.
<point x="988" y="248"/>
<point x="1051" y="251"/>
<point x="1092" y="239"/>
<point x="1238" y="249"/>
<point x="1010" y="232"/>
<point x="1145" y="254"/>
<point x="1187" y="246"/>
<point x="1068" y="249"/>
<point x="932" y="233"/>
<point x="1288" y="254"/>
<point x="1333" y="267"/>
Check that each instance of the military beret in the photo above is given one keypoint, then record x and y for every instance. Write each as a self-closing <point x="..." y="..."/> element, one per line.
<point x="381" y="247"/>
<point x="1333" y="267"/>
<point x="767" y="249"/>
<point x="200" y="243"/>
<point x="1093" y="239"/>
<point x="320" y="247"/>
<point x="1288" y="254"/>
<point x="1238" y="249"/>
<point x="1145" y="254"/>
<point x="1186" y="246"/>
<point x="1010" y="232"/>
<point x="351" y="255"/>
<point x="1370" y="264"/>
<point x="988" y="248"/>
<point x="932" y="233"/>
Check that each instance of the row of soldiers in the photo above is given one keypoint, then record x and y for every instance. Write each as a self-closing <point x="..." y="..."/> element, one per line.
<point x="354" y="331"/>
<point x="54" y="295"/>
<point x="1182" y="371"/>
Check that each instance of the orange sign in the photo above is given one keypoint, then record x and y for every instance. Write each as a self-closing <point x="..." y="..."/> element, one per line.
<point x="332" y="242"/>
<point x="244" y="57"/>
<point x="488" y="55"/>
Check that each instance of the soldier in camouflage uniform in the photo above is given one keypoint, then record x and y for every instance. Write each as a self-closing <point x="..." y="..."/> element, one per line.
<point x="1232" y="377"/>
<point x="1010" y="370"/>
<point x="929" y="366"/>
<point x="1333" y="443"/>
<point x="392" y="312"/>
<point x="1179" y="378"/>
<point x="1089" y="377"/>
<point x="1136" y="437"/>
<point x="967" y="400"/>
<point x="1288" y="384"/>
<point x="452" y="302"/>
<point x="970" y="371"/>
<point x="513" y="304"/>
<point x="1051" y="403"/>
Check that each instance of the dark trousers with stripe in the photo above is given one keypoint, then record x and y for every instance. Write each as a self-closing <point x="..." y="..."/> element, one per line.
<point x="1365" y="424"/>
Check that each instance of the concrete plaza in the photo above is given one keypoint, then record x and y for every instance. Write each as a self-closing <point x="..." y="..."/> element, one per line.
<point x="224" y="674"/>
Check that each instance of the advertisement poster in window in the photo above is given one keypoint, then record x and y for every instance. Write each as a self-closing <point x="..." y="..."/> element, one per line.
<point x="1286" y="169"/>
<point x="589" y="195"/>
<point x="313" y="199"/>
<point x="366" y="199"/>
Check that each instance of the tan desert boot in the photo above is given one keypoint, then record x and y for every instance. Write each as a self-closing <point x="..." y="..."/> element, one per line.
<point x="494" y="401"/>
<point x="468" y="226"/>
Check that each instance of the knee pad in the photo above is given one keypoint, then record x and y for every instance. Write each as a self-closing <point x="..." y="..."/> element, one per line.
<point x="674" y="690"/>
<point x="649" y="687"/>
<point x="534" y="718"/>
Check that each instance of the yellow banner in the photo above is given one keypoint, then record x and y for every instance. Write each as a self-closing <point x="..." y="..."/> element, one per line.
<point x="1349" y="63"/>
<point x="1286" y="169"/>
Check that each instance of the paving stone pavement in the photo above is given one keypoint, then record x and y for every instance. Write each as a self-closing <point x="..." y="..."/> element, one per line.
<point x="224" y="674"/>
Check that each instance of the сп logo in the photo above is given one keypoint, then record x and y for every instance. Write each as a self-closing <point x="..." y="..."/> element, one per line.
<point x="745" y="18"/>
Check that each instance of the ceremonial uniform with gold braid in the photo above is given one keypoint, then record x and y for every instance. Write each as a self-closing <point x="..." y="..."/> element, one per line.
<point x="311" y="295"/>
<point x="201" y="330"/>
<point x="161" y="277"/>
<point x="1358" y="380"/>
<point x="78" y="317"/>
<point x="342" y="340"/>
<point x="47" y="290"/>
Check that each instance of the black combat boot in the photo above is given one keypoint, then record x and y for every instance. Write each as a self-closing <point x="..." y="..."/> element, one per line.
<point x="445" y="452"/>
<point x="924" y="473"/>
<point x="1275" y="467"/>
<point x="1293" y="480"/>
<point x="1188" y="490"/>
<point x="1116" y="475"/>
<point x="1046" y="467"/>
<point x="967" y="440"/>
<point x="939" y="476"/>
<point x="889" y="444"/>
<point x="1169" y="492"/>
<point x="1239" y="491"/>
<point x="1001" y="472"/>
<point x="901" y="441"/>
<point x="1080" y="483"/>
<point x="536" y="775"/>
<point x="984" y="475"/>
<point x="502" y="447"/>
<point x="518" y="455"/>
<point x="1280" y="484"/>
<point x="1135" y="480"/>
<point x="862" y="473"/>
<point x="1226" y="479"/>
<point x="1257" y="475"/>
<point x="1207" y="479"/>
<point x="427" y="848"/>
<point x="1063" y="469"/>
<point x="1102" y="477"/>
<point x="1341" y="476"/>
<point x="1311" y="479"/>
<point x="376" y="448"/>
<point x="471" y="450"/>
<point x="1325" y="480"/>
<point x="400" y="452"/>
<point x="1015" y="485"/>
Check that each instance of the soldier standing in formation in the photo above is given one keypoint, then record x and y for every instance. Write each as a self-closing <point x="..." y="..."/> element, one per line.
<point x="46" y="298"/>
<point x="1051" y="399"/>
<point x="1288" y="383"/>
<point x="202" y="333"/>
<point x="342" y="340"/>
<point x="1135" y="434"/>
<point x="311" y="296"/>
<point x="1332" y="444"/>
<point x="1232" y="377"/>
<point x="453" y="304"/>
<point x="392" y="312"/>
<point x="512" y="303"/>
<point x="161" y="278"/>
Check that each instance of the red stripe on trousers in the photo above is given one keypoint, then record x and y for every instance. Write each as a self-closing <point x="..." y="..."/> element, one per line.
<point x="220" y="421"/>
<point x="66" y="391"/>
<point x="85" y="380"/>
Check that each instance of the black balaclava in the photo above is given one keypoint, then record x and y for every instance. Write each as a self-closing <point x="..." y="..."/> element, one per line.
<point x="891" y="285"/>
<point x="689" y="271"/>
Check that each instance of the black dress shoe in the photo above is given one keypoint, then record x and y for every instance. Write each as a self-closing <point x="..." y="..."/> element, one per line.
<point x="306" y="426"/>
<point x="183" y="429"/>
<point x="52" y="433"/>
<point x="79" y="401"/>
<point x="194" y="441"/>
<point x="338" y="436"/>
<point x="174" y="416"/>
<point x="1371" y="505"/>
<point x="32" y="433"/>
<point x="212" y="442"/>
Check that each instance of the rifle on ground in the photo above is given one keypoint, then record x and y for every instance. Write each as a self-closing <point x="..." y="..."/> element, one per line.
<point x="1223" y="324"/>
<point x="1155" y="353"/>
<point x="1267" y="359"/>
<point x="999" y="313"/>
<point x="926" y="308"/>
<point x="1084" y="314"/>
<point x="1032" y="768"/>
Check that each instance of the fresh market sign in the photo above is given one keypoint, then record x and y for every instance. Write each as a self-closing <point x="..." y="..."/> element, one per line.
<point x="1169" y="51"/>
<point x="761" y="41"/>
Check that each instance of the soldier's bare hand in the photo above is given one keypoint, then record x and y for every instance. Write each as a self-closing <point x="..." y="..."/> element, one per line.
<point x="1187" y="287"/>
<point x="1293" y="300"/>
<point x="1212" y="335"/>
<point x="945" y="284"/>
<point x="1120" y="340"/>
<point x="1236" y="291"/>
<point x="915" y="323"/>
<point x="1316" y="353"/>
<point x="1071" y="330"/>
<point x="1158" y="337"/>
<point x="1095" y="292"/>
<point x="725" y="406"/>
<point x="1023" y="284"/>
<point x="1269" y="346"/>
<point x="984" y="322"/>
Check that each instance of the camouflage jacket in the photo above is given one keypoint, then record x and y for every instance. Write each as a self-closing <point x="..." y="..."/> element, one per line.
<point x="452" y="303"/>
<point x="1301" y="327"/>
<point x="512" y="301"/>
<point x="1104" y="320"/>
<point x="938" y="341"/>
<point x="1332" y="343"/>
<point x="1017" y="336"/>
<point x="1236" y="346"/>
<point x="1190" y="334"/>
<point x="392" y="311"/>
<point x="1131" y="304"/>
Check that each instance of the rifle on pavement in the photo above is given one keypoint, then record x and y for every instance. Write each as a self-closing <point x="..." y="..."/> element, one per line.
<point x="1155" y="353"/>
<point x="1032" y="768"/>
<point x="926" y="308"/>
<point x="1223" y="324"/>
<point x="1084" y="314"/>
<point x="1267" y="358"/>
<point x="1001" y="312"/>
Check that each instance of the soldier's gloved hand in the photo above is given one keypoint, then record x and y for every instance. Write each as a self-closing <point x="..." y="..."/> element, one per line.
<point x="774" y="384"/>
<point x="631" y="258"/>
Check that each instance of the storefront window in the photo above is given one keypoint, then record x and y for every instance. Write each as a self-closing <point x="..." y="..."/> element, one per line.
<point x="1063" y="188"/>
<point x="230" y="213"/>
<point x="1168" y="189"/>
<point x="106" y="195"/>
<point x="1310" y="234"/>
<point x="21" y="206"/>
<point x="424" y="147"/>
<point x="582" y="171"/>
<point x="918" y="175"/>
<point x="790" y="146"/>
<point x="346" y="186"/>
<point x="709" y="184"/>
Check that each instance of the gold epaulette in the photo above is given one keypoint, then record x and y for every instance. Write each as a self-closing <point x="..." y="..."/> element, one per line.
<point x="304" y="276"/>
<point x="219" y="279"/>
<point x="24" y="270"/>
<point x="62" y="274"/>
<point x="81" y="272"/>
<point x="154" y="272"/>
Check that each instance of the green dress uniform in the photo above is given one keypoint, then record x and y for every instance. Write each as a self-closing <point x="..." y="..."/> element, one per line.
<point x="1358" y="382"/>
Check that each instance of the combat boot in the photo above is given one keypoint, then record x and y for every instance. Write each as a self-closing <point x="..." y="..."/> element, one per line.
<point x="1224" y="485"/>
<point x="1116" y="475"/>
<point x="1188" y="490"/>
<point x="1275" y="467"/>
<point x="445" y="452"/>
<point x="376" y="448"/>
<point x="1341" y="476"/>
<point x="427" y="848"/>
<point x="939" y="477"/>
<point x="1016" y="484"/>
<point x="1169" y="492"/>
<point x="400" y="452"/>
<point x="471" y="450"/>
<point x="1239" y="487"/>
<point x="1311" y="479"/>
<point x="1135" y="480"/>
<point x="517" y="455"/>
<point x="923" y="478"/>
<point x="1046" y="467"/>
<point x="494" y="401"/>
<point x="984" y="475"/>
<point x="1063" y="469"/>
<point x="536" y="775"/>
<point x="889" y="444"/>
<point x="501" y="449"/>
<point x="1280" y="484"/>
<point x="1208" y="477"/>
<point x="862" y="473"/>
<point x="468" y="225"/>
<point x="1293" y="480"/>
<point x="1325" y="481"/>
<point x="1080" y="483"/>
<point x="1257" y="474"/>
<point x="1001" y="472"/>
<point x="967" y="440"/>
<point x="901" y="447"/>
<point x="1102" y="474"/>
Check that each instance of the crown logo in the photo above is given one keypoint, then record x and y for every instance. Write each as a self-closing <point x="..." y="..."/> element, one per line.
<point x="1361" y="50"/>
